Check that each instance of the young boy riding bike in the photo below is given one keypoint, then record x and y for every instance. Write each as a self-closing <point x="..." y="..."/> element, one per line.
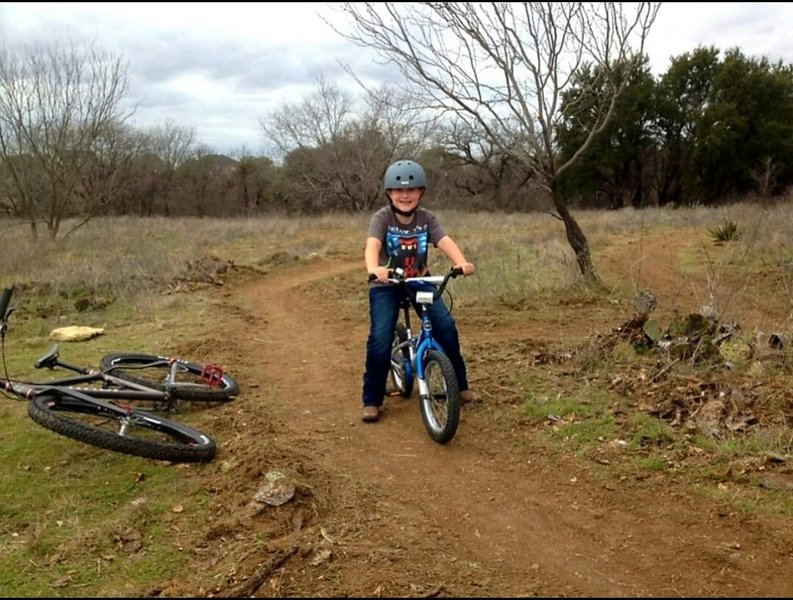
<point x="399" y="236"/>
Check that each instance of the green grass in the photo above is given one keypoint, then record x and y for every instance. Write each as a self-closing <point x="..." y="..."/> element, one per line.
<point x="778" y="440"/>
<point x="78" y="520"/>
<point x="651" y="463"/>
<point x="75" y="518"/>
<point x="650" y="432"/>
<point x="581" y="423"/>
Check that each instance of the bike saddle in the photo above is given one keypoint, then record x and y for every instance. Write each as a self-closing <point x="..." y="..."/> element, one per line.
<point x="49" y="359"/>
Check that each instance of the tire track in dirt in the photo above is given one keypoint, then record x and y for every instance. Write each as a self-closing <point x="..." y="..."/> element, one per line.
<point x="483" y="515"/>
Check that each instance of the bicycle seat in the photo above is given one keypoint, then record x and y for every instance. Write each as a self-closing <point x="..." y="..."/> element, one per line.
<point x="49" y="359"/>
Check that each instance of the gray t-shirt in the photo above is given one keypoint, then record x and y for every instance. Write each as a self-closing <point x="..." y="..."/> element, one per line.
<point x="405" y="246"/>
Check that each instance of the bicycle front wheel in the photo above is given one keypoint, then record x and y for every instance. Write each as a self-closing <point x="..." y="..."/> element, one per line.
<point x="192" y="381"/>
<point x="126" y="430"/>
<point x="440" y="408"/>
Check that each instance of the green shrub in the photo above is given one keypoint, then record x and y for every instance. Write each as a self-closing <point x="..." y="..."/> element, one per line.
<point x="725" y="232"/>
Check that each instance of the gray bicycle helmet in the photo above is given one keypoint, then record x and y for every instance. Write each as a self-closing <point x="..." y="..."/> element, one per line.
<point x="404" y="174"/>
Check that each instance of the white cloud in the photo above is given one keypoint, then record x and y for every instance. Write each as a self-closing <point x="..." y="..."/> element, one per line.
<point x="757" y="28"/>
<point x="216" y="67"/>
<point x="219" y="67"/>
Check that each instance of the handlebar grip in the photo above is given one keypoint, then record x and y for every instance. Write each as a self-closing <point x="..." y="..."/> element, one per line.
<point x="5" y="300"/>
<point x="392" y="274"/>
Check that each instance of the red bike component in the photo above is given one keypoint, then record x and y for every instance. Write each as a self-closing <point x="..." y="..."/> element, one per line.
<point x="211" y="375"/>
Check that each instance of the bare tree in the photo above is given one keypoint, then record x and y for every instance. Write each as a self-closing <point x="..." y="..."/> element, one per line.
<point x="58" y="103"/>
<point x="110" y="181"/>
<point x="502" y="67"/>
<point x="333" y="157"/>
<point x="315" y="121"/>
<point x="492" y="178"/>
<point x="170" y="146"/>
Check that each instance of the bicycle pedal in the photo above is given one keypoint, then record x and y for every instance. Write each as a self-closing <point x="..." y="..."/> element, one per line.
<point x="211" y="375"/>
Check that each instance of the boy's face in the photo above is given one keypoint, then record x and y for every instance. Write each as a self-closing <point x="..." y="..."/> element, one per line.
<point x="405" y="199"/>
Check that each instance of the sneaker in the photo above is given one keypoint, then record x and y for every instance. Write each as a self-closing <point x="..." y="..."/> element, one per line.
<point x="370" y="414"/>
<point x="469" y="397"/>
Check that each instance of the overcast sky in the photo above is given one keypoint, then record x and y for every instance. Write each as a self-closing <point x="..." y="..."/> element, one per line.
<point x="219" y="67"/>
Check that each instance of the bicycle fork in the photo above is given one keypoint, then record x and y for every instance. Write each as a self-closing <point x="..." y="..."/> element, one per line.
<point x="419" y="350"/>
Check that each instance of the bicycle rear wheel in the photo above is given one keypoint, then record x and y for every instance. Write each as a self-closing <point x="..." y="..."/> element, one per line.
<point x="440" y="408"/>
<point x="401" y="376"/>
<point x="126" y="430"/>
<point x="193" y="381"/>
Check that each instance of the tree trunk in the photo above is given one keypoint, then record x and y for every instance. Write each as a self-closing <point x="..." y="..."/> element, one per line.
<point x="575" y="237"/>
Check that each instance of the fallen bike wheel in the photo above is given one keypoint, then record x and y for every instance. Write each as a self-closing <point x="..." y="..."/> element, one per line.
<point x="440" y="408"/>
<point x="125" y="430"/>
<point x="192" y="381"/>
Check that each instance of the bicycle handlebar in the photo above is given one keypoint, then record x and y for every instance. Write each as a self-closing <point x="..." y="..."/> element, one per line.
<point x="440" y="280"/>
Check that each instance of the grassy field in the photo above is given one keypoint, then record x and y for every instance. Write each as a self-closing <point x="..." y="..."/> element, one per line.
<point x="129" y="260"/>
<point x="58" y="497"/>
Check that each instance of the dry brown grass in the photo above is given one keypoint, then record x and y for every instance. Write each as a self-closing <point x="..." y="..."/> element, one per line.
<point x="517" y="255"/>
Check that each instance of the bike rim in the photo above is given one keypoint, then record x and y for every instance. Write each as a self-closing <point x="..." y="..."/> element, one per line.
<point x="436" y="400"/>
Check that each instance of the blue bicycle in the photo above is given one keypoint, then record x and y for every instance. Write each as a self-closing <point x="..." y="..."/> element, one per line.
<point x="419" y="357"/>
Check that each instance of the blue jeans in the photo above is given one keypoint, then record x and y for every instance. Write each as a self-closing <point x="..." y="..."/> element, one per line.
<point x="383" y="315"/>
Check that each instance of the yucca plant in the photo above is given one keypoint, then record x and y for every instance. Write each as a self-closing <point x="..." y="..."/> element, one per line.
<point x="725" y="232"/>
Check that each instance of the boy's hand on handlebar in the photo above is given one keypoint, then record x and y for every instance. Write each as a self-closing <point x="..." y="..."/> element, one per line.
<point x="466" y="268"/>
<point x="380" y="274"/>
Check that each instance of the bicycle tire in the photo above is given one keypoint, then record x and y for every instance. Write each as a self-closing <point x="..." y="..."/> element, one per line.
<point x="126" y="430"/>
<point x="440" y="408"/>
<point x="152" y="370"/>
<point x="400" y="373"/>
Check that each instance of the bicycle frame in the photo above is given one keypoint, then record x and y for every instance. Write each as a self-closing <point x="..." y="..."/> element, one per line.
<point x="33" y="390"/>
<point x="419" y="345"/>
<point x="123" y="388"/>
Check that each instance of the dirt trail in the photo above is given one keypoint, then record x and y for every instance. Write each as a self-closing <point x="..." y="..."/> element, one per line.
<point x="489" y="514"/>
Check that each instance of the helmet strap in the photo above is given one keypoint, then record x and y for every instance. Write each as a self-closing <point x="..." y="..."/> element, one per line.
<point x="399" y="211"/>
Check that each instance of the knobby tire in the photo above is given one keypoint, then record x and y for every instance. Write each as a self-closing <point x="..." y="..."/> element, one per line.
<point x="101" y="427"/>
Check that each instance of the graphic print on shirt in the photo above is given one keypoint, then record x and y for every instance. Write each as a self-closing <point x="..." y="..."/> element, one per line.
<point x="408" y="251"/>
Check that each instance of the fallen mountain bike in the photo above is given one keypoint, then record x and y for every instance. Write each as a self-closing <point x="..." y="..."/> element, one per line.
<point x="420" y="358"/>
<point x="102" y="407"/>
